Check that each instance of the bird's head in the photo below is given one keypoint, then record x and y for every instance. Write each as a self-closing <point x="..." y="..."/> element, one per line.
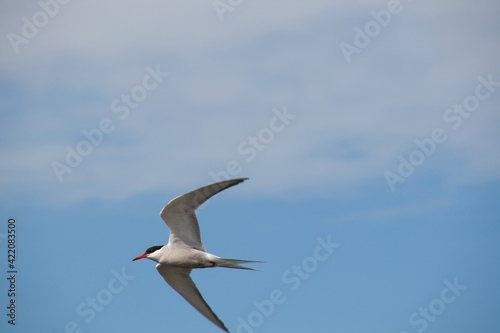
<point x="151" y="253"/>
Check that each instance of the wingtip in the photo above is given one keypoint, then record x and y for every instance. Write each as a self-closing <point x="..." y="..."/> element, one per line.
<point x="239" y="180"/>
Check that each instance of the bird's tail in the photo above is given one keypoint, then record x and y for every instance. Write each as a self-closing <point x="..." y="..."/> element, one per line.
<point x="234" y="263"/>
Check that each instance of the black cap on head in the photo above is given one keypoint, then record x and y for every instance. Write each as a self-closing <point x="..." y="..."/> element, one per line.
<point x="153" y="249"/>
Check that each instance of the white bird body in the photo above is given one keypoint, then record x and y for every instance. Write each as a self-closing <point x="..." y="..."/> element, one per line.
<point x="185" y="250"/>
<point x="183" y="256"/>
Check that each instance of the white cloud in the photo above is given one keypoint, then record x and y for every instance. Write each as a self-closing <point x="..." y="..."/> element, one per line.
<point x="225" y="78"/>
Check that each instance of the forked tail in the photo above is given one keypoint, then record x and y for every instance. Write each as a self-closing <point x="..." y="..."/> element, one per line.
<point x="234" y="263"/>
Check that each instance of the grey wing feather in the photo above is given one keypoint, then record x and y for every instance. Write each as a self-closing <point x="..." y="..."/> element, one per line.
<point x="180" y="217"/>
<point x="180" y="280"/>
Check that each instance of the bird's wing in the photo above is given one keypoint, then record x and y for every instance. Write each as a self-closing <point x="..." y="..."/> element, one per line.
<point x="179" y="279"/>
<point x="180" y="217"/>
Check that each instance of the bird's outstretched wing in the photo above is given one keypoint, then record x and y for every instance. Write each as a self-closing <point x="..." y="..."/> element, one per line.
<point x="180" y="217"/>
<point x="179" y="279"/>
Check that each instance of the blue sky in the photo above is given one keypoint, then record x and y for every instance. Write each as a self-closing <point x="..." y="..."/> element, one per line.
<point x="372" y="126"/>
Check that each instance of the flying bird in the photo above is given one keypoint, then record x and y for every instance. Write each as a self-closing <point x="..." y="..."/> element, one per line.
<point x="185" y="250"/>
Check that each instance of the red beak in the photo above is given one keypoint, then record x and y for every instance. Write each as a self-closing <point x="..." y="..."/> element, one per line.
<point x="140" y="257"/>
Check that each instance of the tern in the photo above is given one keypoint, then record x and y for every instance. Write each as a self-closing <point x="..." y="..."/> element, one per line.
<point x="185" y="250"/>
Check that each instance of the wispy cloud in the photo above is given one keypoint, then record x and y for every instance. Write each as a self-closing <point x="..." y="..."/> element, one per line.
<point x="225" y="78"/>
